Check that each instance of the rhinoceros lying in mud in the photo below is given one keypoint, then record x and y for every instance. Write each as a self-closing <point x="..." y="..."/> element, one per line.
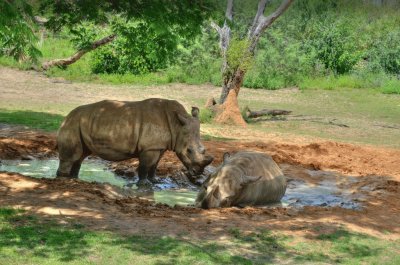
<point x="116" y="130"/>
<point x="245" y="178"/>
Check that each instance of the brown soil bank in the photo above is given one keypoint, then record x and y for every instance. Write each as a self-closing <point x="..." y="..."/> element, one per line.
<point x="105" y="208"/>
<point x="348" y="159"/>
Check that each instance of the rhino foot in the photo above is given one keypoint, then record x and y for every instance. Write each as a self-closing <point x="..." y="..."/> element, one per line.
<point x="65" y="175"/>
<point x="144" y="184"/>
<point x="155" y="180"/>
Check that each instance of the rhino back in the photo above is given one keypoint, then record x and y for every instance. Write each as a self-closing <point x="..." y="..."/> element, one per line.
<point x="272" y="185"/>
<point x="117" y="130"/>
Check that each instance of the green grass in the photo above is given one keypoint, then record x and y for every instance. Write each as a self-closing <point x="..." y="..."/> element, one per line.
<point x="28" y="239"/>
<point x="206" y="115"/>
<point x="340" y="246"/>
<point x="32" y="119"/>
<point x="382" y="83"/>
<point x="10" y="62"/>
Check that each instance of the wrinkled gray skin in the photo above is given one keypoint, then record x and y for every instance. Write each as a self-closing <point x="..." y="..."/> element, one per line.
<point x="116" y="130"/>
<point x="245" y="178"/>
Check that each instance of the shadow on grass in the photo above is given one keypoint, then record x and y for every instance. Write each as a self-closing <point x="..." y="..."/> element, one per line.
<point x="32" y="119"/>
<point x="46" y="240"/>
<point x="27" y="238"/>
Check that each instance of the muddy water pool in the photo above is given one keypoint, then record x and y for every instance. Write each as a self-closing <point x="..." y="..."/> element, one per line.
<point x="298" y="194"/>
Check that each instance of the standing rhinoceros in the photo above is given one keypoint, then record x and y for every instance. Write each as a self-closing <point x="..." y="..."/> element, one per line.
<point x="118" y="130"/>
<point x="245" y="178"/>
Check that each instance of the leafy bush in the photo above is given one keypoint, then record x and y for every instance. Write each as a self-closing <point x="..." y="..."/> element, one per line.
<point x="386" y="53"/>
<point x="139" y="48"/>
<point x="336" y="46"/>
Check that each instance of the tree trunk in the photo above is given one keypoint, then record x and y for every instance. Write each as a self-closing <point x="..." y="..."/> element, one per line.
<point x="78" y="54"/>
<point x="232" y="81"/>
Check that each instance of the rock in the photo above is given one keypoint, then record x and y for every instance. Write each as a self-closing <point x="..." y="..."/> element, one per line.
<point x="27" y="157"/>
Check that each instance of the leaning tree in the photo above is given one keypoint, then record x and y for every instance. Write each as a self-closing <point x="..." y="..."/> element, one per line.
<point x="237" y="54"/>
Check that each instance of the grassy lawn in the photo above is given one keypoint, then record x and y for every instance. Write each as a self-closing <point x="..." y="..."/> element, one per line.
<point x="37" y="120"/>
<point x="27" y="239"/>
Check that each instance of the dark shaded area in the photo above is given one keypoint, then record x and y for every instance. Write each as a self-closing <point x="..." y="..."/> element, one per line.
<point x="38" y="120"/>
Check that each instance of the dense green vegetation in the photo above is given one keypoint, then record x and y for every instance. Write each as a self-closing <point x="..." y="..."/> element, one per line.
<point x="31" y="239"/>
<point x="315" y="44"/>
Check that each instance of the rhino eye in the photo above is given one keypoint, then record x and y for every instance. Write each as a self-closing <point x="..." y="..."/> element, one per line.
<point x="189" y="150"/>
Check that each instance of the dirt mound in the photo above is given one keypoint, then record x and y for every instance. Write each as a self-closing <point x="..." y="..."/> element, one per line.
<point x="229" y="112"/>
<point x="26" y="144"/>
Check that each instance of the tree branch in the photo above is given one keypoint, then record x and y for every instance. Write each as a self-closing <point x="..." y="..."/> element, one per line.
<point x="78" y="54"/>
<point x="260" y="13"/>
<point x="265" y="22"/>
<point x="229" y="10"/>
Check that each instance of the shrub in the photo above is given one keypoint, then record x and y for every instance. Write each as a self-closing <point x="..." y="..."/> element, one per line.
<point x="206" y="116"/>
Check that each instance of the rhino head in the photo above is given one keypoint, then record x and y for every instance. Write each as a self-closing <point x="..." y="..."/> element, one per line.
<point x="223" y="187"/>
<point x="188" y="147"/>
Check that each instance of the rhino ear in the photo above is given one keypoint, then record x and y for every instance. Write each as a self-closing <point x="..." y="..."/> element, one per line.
<point x="182" y="119"/>
<point x="226" y="156"/>
<point x="195" y="112"/>
<point x="246" y="180"/>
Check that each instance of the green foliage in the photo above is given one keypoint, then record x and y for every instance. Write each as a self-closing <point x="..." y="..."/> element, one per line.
<point x="336" y="47"/>
<point x="385" y="53"/>
<point x="17" y="38"/>
<point x="238" y="55"/>
<point x="140" y="48"/>
<point x="84" y="34"/>
<point x="148" y="32"/>
<point x="206" y="116"/>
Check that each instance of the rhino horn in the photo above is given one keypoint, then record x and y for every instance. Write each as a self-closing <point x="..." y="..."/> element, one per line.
<point x="226" y="156"/>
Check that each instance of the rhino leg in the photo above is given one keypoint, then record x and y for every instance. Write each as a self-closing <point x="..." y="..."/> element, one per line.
<point x="69" y="168"/>
<point x="147" y="167"/>
<point x="151" y="175"/>
<point x="64" y="168"/>
<point x="71" y="155"/>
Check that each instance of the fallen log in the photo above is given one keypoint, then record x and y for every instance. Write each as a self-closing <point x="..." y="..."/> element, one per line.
<point x="72" y="59"/>
<point x="272" y="112"/>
